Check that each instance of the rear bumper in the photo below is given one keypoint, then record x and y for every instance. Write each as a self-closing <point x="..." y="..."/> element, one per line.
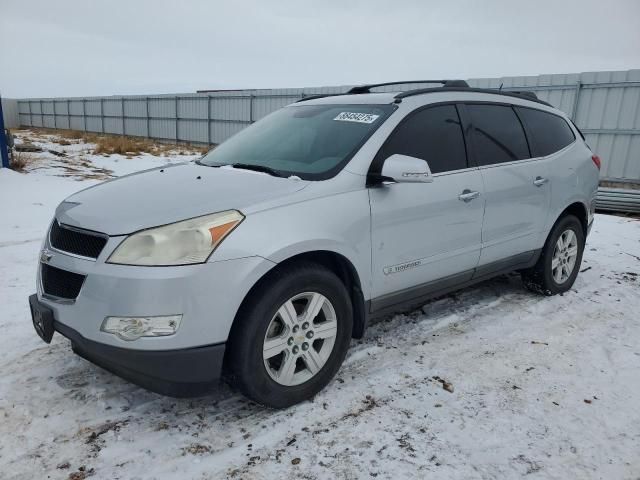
<point x="178" y="373"/>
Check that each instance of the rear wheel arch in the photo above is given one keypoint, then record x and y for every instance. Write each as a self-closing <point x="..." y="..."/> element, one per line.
<point x="541" y="277"/>
<point x="580" y="211"/>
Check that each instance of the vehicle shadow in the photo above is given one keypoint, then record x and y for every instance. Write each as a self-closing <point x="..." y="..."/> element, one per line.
<point x="96" y="407"/>
<point x="223" y="400"/>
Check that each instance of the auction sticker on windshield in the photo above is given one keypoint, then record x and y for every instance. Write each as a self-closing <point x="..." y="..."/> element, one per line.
<point x="356" y="117"/>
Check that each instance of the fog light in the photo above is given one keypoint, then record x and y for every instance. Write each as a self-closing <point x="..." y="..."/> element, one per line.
<point x="132" y="328"/>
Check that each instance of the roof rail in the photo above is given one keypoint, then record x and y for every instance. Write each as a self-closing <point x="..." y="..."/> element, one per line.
<point x="319" y="95"/>
<point x="367" y="88"/>
<point x="445" y="83"/>
<point x="525" y="95"/>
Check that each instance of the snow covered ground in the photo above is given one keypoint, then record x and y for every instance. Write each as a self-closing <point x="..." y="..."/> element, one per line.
<point x="76" y="158"/>
<point x="543" y="387"/>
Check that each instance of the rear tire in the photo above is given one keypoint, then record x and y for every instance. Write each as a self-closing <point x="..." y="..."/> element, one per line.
<point x="291" y="336"/>
<point x="559" y="263"/>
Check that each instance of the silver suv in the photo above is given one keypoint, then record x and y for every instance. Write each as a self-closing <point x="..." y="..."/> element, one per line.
<point x="260" y="261"/>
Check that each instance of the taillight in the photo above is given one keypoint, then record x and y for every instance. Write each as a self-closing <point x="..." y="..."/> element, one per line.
<point x="596" y="160"/>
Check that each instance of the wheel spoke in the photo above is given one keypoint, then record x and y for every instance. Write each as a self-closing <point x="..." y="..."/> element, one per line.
<point x="557" y="274"/>
<point x="287" y="370"/>
<point x="327" y="329"/>
<point x="572" y="251"/>
<point x="565" y="272"/>
<point x="560" y="243"/>
<point x="313" y="307"/>
<point x="274" y="346"/>
<point x="288" y="314"/>
<point x="568" y="239"/>
<point x="313" y="361"/>
<point x="554" y="263"/>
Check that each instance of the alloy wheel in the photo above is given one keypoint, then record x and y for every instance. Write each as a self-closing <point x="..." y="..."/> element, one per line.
<point x="564" y="257"/>
<point x="300" y="338"/>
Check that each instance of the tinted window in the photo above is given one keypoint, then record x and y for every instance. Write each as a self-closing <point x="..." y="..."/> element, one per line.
<point x="549" y="133"/>
<point x="498" y="135"/>
<point x="433" y="134"/>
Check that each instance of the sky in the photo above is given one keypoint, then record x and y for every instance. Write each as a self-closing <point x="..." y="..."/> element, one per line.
<point x="80" y="47"/>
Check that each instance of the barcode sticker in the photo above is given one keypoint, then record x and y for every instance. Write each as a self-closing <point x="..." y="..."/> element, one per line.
<point x="356" y="117"/>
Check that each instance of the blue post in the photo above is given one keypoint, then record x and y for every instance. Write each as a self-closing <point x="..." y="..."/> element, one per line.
<point x="4" y="152"/>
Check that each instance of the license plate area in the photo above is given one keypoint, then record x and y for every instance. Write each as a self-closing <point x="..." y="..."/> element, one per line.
<point x="42" y="318"/>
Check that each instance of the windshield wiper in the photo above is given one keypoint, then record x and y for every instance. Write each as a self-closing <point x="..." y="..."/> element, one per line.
<point x="258" y="168"/>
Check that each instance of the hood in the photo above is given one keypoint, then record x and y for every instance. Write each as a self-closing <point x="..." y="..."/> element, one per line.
<point x="169" y="194"/>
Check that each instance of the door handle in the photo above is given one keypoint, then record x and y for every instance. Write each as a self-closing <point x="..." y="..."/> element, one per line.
<point x="539" y="181"/>
<point x="467" y="195"/>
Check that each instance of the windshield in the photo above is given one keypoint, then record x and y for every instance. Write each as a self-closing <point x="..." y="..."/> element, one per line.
<point x="313" y="142"/>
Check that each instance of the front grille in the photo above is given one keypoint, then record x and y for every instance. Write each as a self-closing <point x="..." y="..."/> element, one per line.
<point x="61" y="283"/>
<point x="66" y="239"/>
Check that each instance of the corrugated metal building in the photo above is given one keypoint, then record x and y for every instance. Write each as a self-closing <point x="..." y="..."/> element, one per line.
<point x="605" y="105"/>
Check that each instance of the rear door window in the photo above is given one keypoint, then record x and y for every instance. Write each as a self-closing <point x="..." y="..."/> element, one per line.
<point x="498" y="136"/>
<point x="433" y="134"/>
<point x="548" y="132"/>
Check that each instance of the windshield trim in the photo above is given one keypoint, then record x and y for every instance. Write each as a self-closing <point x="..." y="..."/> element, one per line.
<point x="388" y="109"/>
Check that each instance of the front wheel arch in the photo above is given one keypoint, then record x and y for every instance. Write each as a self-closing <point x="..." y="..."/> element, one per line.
<point x="336" y="263"/>
<point x="244" y="353"/>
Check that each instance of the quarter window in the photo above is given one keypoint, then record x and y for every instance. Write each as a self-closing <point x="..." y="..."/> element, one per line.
<point x="433" y="134"/>
<point x="498" y="136"/>
<point x="549" y="133"/>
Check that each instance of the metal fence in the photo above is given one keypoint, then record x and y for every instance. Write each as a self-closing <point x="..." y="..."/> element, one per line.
<point x="10" y="113"/>
<point x="618" y="200"/>
<point x="194" y="118"/>
<point x="605" y="105"/>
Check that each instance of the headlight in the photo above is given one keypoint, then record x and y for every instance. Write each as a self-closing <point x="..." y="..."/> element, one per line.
<point x="187" y="242"/>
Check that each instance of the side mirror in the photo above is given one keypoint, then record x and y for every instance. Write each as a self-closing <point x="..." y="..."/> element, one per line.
<point x="406" y="169"/>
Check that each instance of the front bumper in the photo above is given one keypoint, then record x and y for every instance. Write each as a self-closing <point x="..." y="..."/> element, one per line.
<point x="177" y="373"/>
<point x="207" y="296"/>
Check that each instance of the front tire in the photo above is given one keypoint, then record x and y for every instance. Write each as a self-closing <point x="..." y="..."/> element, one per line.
<point x="559" y="263"/>
<point x="291" y="336"/>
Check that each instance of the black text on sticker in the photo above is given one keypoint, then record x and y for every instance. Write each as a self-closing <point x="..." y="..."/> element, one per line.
<point x="356" y="117"/>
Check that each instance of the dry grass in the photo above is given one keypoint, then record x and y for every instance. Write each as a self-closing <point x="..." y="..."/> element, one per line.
<point x="64" y="137"/>
<point x="122" y="145"/>
<point x="20" y="161"/>
<point x="131" y="146"/>
<point x="72" y="134"/>
<point x="107" y="144"/>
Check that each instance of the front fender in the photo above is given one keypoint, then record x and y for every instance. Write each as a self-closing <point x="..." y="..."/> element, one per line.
<point x="338" y="223"/>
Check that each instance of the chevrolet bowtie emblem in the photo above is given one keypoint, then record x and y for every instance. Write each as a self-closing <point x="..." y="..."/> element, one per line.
<point x="45" y="256"/>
